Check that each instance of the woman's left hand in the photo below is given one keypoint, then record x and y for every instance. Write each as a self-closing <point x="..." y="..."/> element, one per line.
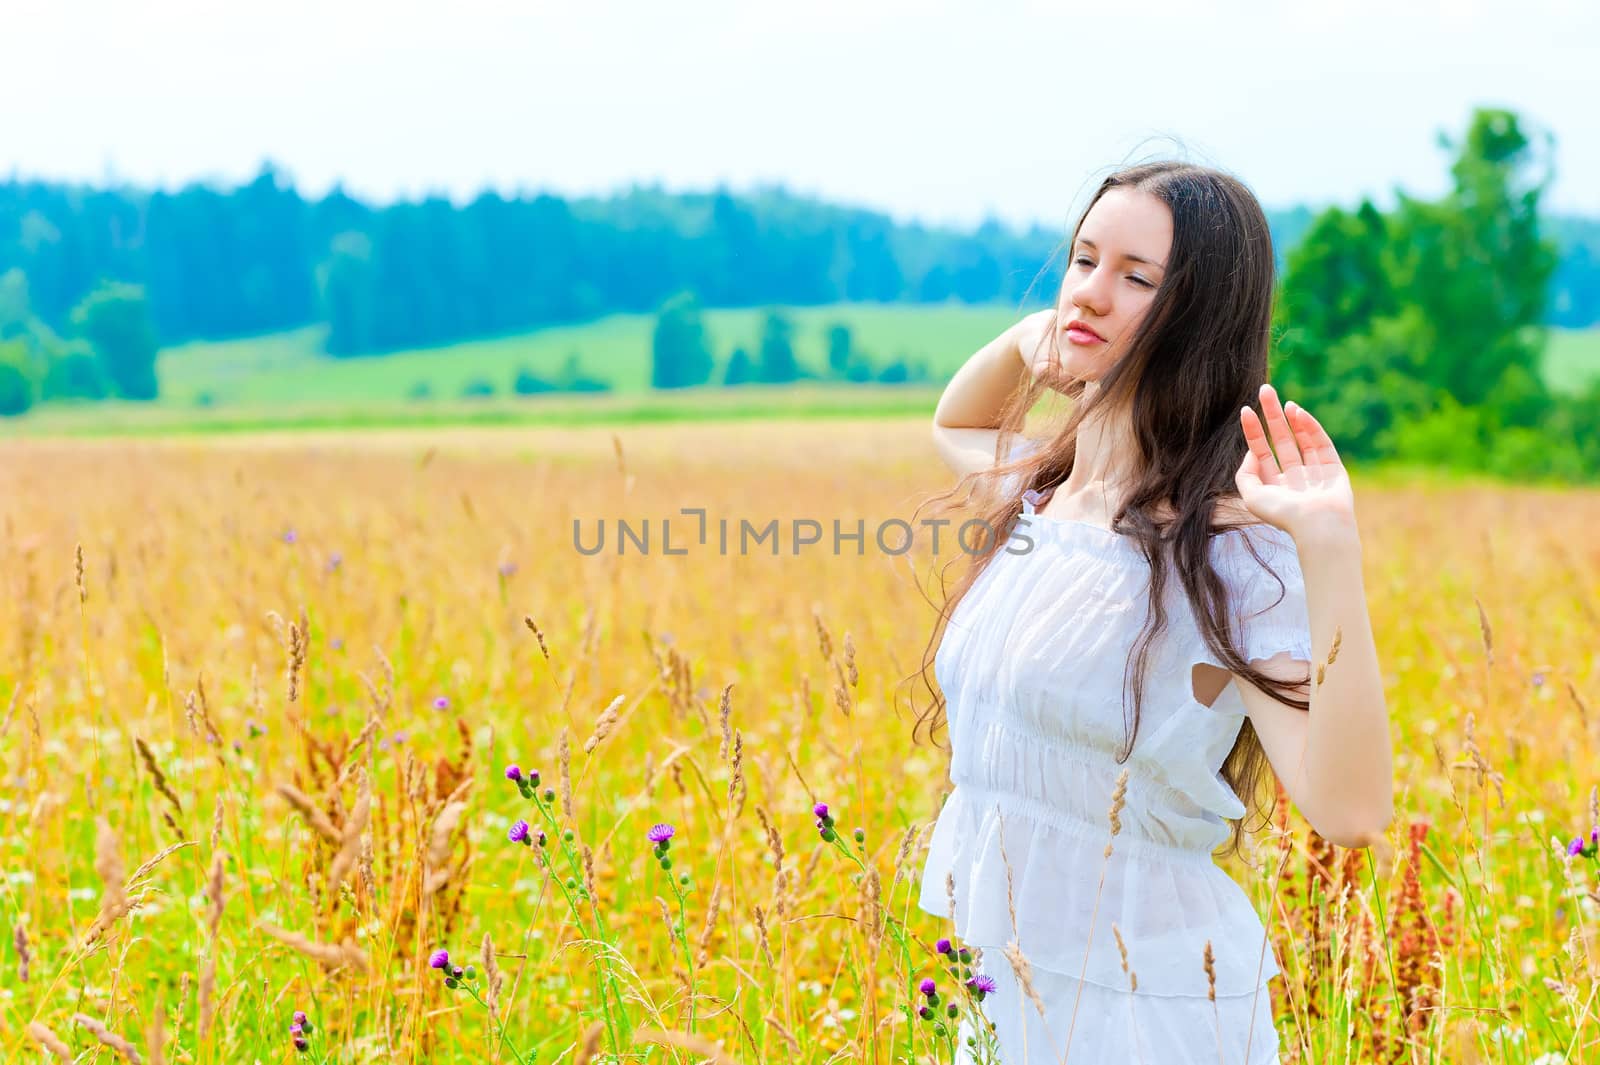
<point x="1305" y="490"/>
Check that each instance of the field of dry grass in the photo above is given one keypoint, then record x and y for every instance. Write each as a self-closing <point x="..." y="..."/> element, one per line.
<point x="260" y="696"/>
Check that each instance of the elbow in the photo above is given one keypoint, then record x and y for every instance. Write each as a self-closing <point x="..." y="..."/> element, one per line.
<point x="1358" y="833"/>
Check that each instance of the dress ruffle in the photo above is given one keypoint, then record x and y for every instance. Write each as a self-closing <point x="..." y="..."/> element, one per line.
<point x="1167" y="903"/>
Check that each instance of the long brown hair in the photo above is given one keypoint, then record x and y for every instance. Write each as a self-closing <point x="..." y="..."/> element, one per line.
<point x="1198" y="356"/>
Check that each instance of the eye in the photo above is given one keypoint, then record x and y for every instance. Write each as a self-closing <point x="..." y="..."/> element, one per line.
<point x="1140" y="280"/>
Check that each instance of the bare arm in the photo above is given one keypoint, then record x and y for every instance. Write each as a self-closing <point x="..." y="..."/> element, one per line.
<point x="966" y="423"/>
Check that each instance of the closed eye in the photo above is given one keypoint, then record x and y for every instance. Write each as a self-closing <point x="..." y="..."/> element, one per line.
<point x="1084" y="260"/>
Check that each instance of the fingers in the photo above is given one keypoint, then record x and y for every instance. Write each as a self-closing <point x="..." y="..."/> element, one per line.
<point x="1282" y="435"/>
<point x="1260" y="453"/>
<point x="1317" y="445"/>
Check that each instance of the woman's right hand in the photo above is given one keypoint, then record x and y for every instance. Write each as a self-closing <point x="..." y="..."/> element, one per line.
<point x="1040" y="357"/>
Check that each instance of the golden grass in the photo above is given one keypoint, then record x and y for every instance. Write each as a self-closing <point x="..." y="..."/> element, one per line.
<point x="301" y="755"/>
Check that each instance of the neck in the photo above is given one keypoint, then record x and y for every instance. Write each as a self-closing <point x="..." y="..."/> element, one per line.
<point x="1104" y="466"/>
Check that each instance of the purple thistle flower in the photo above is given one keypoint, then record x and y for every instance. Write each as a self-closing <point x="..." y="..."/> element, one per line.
<point x="1575" y="848"/>
<point x="300" y="1044"/>
<point x="289" y="537"/>
<point x="441" y="702"/>
<point x="659" y="833"/>
<point x="295" y="1029"/>
<point x="533" y="778"/>
<point x="440" y="959"/>
<point x="927" y="987"/>
<point x="513" y="772"/>
<point x="507" y="568"/>
<point x="1538" y="678"/>
<point x="300" y="1017"/>
<point x="518" y="833"/>
<point x="942" y="947"/>
<point x="541" y="838"/>
<point x="821" y="810"/>
<point x="982" y="983"/>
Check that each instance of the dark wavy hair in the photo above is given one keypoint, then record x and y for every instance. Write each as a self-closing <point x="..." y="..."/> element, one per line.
<point x="1197" y="357"/>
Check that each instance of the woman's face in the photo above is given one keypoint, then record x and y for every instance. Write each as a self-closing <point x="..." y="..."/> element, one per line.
<point x="1119" y="260"/>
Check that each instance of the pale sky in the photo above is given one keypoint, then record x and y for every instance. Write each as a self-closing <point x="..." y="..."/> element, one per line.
<point x="943" y="112"/>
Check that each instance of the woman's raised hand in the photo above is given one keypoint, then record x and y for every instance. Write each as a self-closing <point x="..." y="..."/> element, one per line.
<point x="1303" y="490"/>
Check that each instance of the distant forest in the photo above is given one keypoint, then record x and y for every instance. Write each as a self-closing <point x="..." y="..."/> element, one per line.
<point x="216" y="263"/>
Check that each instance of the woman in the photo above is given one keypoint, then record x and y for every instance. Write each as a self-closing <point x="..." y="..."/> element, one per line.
<point x="1174" y="587"/>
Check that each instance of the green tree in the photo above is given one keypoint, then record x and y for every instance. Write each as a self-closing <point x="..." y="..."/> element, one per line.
<point x="741" y="369"/>
<point x="777" y="363"/>
<point x="679" y="347"/>
<point x="115" y="319"/>
<point x="16" y="380"/>
<point x="840" y="346"/>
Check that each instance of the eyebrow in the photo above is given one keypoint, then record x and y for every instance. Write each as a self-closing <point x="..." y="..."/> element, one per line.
<point x="1126" y="255"/>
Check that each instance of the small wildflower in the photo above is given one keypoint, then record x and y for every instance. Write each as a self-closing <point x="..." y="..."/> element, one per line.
<point x="458" y="972"/>
<point x="1538" y="678"/>
<point x="925" y="1013"/>
<point x="821" y="810"/>
<point x="942" y="947"/>
<point x="660" y="833"/>
<point x="441" y="702"/>
<point x="507" y="568"/>
<point x="289" y="536"/>
<point x="301" y="1044"/>
<point x="337" y="643"/>
<point x="440" y="959"/>
<point x="983" y="985"/>
<point x="927" y="987"/>
<point x="514" y="773"/>
<point x="519" y="833"/>
<point x="300" y="1018"/>
<point x="541" y="838"/>
<point x="1575" y="848"/>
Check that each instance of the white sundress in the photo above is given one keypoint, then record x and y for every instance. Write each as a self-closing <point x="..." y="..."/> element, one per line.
<point x="1031" y="666"/>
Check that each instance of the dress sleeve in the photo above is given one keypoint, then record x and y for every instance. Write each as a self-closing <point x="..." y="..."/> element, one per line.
<point x="1267" y="603"/>
<point x="1020" y="447"/>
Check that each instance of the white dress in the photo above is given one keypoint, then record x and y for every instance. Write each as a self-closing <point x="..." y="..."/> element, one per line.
<point x="1031" y="666"/>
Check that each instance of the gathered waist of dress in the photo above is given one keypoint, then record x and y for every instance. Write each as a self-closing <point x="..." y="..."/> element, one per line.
<point x="1072" y="788"/>
<point x="1131" y="837"/>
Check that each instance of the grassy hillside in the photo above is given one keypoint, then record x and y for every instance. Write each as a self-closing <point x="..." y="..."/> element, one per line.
<point x="289" y="367"/>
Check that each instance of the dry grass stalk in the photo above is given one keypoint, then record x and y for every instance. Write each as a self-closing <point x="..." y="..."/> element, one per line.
<point x="784" y="1033"/>
<point x="713" y="908"/>
<point x="160" y="778"/>
<point x="330" y="955"/>
<point x="50" y="1041"/>
<point x="491" y="975"/>
<point x="533" y="628"/>
<point x="438" y="854"/>
<point x="704" y="1047"/>
<point x="904" y="853"/>
<point x="724" y="711"/>
<point x="108" y="1038"/>
<point x="350" y="845"/>
<point x="604" y="726"/>
<point x="761" y="935"/>
<point x="1122" y="950"/>
<point x="297" y="657"/>
<point x="590" y="1045"/>
<point x="872" y="907"/>
<point x="311" y="812"/>
<point x="1485" y="631"/>
<point x="208" y="971"/>
<point x="1333" y="655"/>
<point x="736" y="789"/>
<point x="950" y="893"/>
<point x="83" y="587"/>
<point x="774" y="837"/>
<point x="155" y="1040"/>
<point x="1022" y="969"/>
<point x="564" y="764"/>
<point x="19" y="941"/>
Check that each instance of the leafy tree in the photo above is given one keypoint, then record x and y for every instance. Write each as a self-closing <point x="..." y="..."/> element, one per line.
<point x="680" y="350"/>
<point x="777" y="363"/>
<point x="741" y="369"/>
<point x="840" y="347"/>
<point x="115" y="319"/>
<point x="16" y="382"/>
<point x="528" y="383"/>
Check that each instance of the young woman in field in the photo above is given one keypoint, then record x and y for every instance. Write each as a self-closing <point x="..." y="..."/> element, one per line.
<point x="1181" y="601"/>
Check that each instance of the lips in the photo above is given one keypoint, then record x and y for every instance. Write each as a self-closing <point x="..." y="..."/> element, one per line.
<point x="1076" y="325"/>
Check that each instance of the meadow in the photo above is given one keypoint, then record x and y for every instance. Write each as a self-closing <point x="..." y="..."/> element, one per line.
<point x="264" y="692"/>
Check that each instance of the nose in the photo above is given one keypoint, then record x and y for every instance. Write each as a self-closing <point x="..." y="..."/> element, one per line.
<point x="1092" y="295"/>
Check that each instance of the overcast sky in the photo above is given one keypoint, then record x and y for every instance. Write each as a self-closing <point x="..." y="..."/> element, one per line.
<point x="945" y="112"/>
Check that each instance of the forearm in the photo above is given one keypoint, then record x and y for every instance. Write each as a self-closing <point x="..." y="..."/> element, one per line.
<point x="1348" y="760"/>
<point x="976" y="394"/>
